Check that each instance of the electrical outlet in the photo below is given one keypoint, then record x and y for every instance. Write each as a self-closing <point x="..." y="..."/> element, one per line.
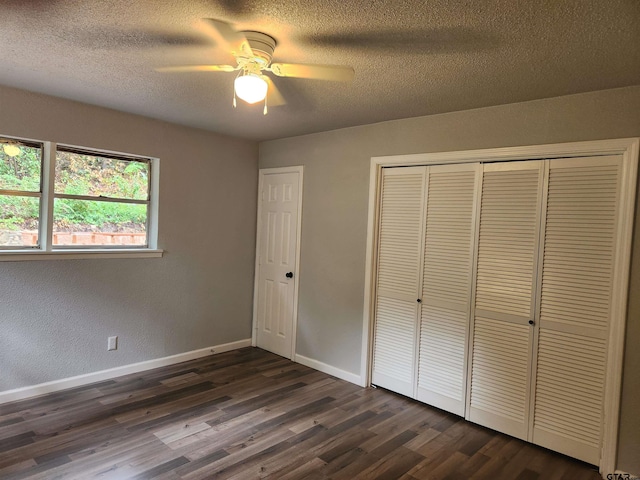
<point x="112" y="343"/>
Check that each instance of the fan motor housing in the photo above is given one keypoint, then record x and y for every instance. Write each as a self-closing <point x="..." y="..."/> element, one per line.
<point x="262" y="45"/>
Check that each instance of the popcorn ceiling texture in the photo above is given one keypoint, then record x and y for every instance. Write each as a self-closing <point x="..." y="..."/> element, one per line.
<point x="411" y="58"/>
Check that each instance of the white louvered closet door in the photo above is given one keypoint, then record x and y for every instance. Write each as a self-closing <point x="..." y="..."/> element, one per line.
<point x="398" y="284"/>
<point x="575" y="305"/>
<point x="446" y="286"/>
<point x="504" y="298"/>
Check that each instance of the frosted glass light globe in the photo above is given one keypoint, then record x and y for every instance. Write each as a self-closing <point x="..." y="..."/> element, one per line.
<point x="251" y="88"/>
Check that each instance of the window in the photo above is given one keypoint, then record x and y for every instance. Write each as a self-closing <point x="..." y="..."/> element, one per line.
<point x="64" y="199"/>
<point x="100" y="199"/>
<point x="20" y="193"/>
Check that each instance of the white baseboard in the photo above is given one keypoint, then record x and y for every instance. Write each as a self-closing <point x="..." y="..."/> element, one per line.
<point x="329" y="369"/>
<point x="62" y="384"/>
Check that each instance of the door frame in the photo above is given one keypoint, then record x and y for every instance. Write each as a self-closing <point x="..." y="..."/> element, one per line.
<point x="296" y="278"/>
<point x="628" y="148"/>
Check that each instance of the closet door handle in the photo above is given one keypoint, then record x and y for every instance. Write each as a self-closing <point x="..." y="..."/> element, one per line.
<point x="531" y="322"/>
<point x="289" y="275"/>
<point x="419" y="300"/>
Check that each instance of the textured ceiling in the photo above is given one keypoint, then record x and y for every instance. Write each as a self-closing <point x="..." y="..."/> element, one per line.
<point x="411" y="57"/>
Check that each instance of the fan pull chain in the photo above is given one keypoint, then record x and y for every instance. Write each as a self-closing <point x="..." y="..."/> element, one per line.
<point x="264" y="112"/>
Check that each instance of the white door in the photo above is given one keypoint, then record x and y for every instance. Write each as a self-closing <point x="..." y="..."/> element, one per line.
<point x="399" y="276"/>
<point x="575" y="305"/>
<point x="277" y="257"/>
<point x="446" y="285"/>
<point x="505" y="296"/>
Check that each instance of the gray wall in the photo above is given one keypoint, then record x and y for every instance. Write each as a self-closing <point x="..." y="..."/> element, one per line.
<point x="335" y="199"/>
<point x="55" y="315"/>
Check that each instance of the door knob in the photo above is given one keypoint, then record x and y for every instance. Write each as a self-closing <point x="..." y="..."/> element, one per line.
<point x="289" y="275"/>
<point x="531" y="322"/>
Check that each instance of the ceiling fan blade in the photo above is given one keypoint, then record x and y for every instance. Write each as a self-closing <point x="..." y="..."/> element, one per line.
<point x="274" y="97"/>
<point x="198" y="68"/>
<point x="223" y="33"/>
<point x="338" y="73"/>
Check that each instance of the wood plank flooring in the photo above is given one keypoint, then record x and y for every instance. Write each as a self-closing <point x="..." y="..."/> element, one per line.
<point x="249" y="414"/>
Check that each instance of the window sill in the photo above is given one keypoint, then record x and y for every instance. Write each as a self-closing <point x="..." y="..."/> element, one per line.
<point x="26" y="255"/>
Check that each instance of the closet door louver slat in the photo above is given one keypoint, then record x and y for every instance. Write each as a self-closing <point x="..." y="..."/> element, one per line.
<point x="399" y="253"/>
<point x="504" y="297"/>
<point x="575" y="305"/>
<point x="446" y="286"/>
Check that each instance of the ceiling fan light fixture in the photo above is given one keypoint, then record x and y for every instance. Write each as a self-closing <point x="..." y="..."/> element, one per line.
<point x="251" y="88"/>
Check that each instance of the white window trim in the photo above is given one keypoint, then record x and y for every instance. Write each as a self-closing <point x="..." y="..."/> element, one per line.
<point x="46" y="250"/>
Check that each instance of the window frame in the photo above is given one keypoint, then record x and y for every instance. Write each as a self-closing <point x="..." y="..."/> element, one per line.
<point x="25" y="193"/>
<point x="90" y="198"/>
<point x="45" y="250"/>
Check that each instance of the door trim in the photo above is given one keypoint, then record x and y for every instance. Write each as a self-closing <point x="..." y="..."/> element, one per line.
<point x="628" y="148"/>
<point x="296" y="279"/>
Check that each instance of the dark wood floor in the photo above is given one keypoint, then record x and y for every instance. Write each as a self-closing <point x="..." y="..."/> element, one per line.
<point x="251" y="414"/>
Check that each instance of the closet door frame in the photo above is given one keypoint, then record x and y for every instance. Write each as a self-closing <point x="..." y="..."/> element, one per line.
<point x="628" y="148"/>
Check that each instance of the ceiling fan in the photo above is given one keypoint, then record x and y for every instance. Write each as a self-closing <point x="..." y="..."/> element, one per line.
<point x="253" y="52"/>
